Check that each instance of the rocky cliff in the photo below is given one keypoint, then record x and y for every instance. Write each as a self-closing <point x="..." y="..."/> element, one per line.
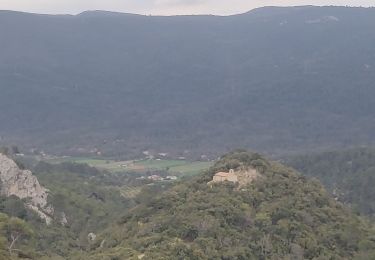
<point x="24" y="185"/>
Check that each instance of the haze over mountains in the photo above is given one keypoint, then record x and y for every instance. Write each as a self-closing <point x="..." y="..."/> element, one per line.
<point x="275" y="79"/>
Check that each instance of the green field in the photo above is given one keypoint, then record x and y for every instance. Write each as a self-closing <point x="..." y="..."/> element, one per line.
<point x="176" y="167"/>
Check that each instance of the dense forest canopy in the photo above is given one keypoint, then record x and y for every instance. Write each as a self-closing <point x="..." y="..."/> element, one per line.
<point x="281" y="215"/>
<point x="348" y="174"/>
<point x="85" y="201"/>
<point x="274" y="79"/>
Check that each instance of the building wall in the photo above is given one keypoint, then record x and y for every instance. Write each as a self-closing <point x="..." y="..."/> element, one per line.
<point x="232" y="178"/>
<point x="218" y="179"/>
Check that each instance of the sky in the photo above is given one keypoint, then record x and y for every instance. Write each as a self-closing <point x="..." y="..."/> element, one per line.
<point x="162" y="7"/>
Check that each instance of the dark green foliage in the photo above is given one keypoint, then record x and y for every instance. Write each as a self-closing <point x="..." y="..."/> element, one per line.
<point x="282" y="215"/>
<point x="240" y="158"/>
<point x="89" y="199"/>
<point x="13" y="207"/>
<point x="82" y="194"/>
<point x="77" y="168"/>
<point x="348" y="174"/>
<point x="15" y="239"/>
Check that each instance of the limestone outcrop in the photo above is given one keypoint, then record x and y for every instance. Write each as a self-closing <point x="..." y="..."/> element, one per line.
<point x="24" y="185"/>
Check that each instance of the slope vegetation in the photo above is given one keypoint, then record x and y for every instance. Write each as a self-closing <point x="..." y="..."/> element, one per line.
<point x="280" y="215"/>
<point x="348" y="174"/>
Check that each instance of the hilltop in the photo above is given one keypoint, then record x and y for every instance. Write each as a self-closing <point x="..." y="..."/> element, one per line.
<point x="121" y="83"/>
<point x="279" y="215"/>
<point x="268" y="211"/>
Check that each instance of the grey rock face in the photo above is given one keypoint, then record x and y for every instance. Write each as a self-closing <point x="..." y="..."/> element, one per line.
<point x="24" y="185"/>
<point x="91" y="237"/>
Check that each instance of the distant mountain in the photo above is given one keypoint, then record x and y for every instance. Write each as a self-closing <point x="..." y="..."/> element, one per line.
<point x="348" y="174"/>
<point x="279" y="215"/>
<point x="277" y="80"/>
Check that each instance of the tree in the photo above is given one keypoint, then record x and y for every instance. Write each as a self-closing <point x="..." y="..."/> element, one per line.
<point x="4" y="150"/>
<point x="16" y="231"/>
<point x="3" y="241"/>
<point x="14" y="149"/>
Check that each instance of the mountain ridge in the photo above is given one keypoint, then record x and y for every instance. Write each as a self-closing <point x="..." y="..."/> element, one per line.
<point x="264" y="9"/>
<point x="196" y="83"/>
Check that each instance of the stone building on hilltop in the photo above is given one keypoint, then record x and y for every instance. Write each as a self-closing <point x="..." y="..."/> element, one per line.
<point x="225" y="176"/>
<point x="242" y="176"/>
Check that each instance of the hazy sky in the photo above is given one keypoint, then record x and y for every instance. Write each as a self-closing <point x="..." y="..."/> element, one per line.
<point x="163" y="7"/>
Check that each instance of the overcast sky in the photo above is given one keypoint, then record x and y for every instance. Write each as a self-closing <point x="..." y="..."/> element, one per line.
<point x="162" y="7"/>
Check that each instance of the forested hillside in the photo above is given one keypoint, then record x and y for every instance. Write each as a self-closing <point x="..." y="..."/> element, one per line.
<point x="85" y="202"/>
<point x="280" y="215"/>
<point x="348" y="174"/>
<point x="273" y="79"/>
<point x="274" y="214"/>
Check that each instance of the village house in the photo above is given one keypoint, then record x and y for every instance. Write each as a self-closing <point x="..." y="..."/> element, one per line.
<point x="225" y="176"/>
<point x="241" y="176"/>
<point x="155" y="177"/>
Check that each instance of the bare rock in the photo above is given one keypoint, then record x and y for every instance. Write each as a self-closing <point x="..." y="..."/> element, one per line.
<point x="24" y="185"/>
<point x="63" y="219"/>
<point x="91" y="236"/>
